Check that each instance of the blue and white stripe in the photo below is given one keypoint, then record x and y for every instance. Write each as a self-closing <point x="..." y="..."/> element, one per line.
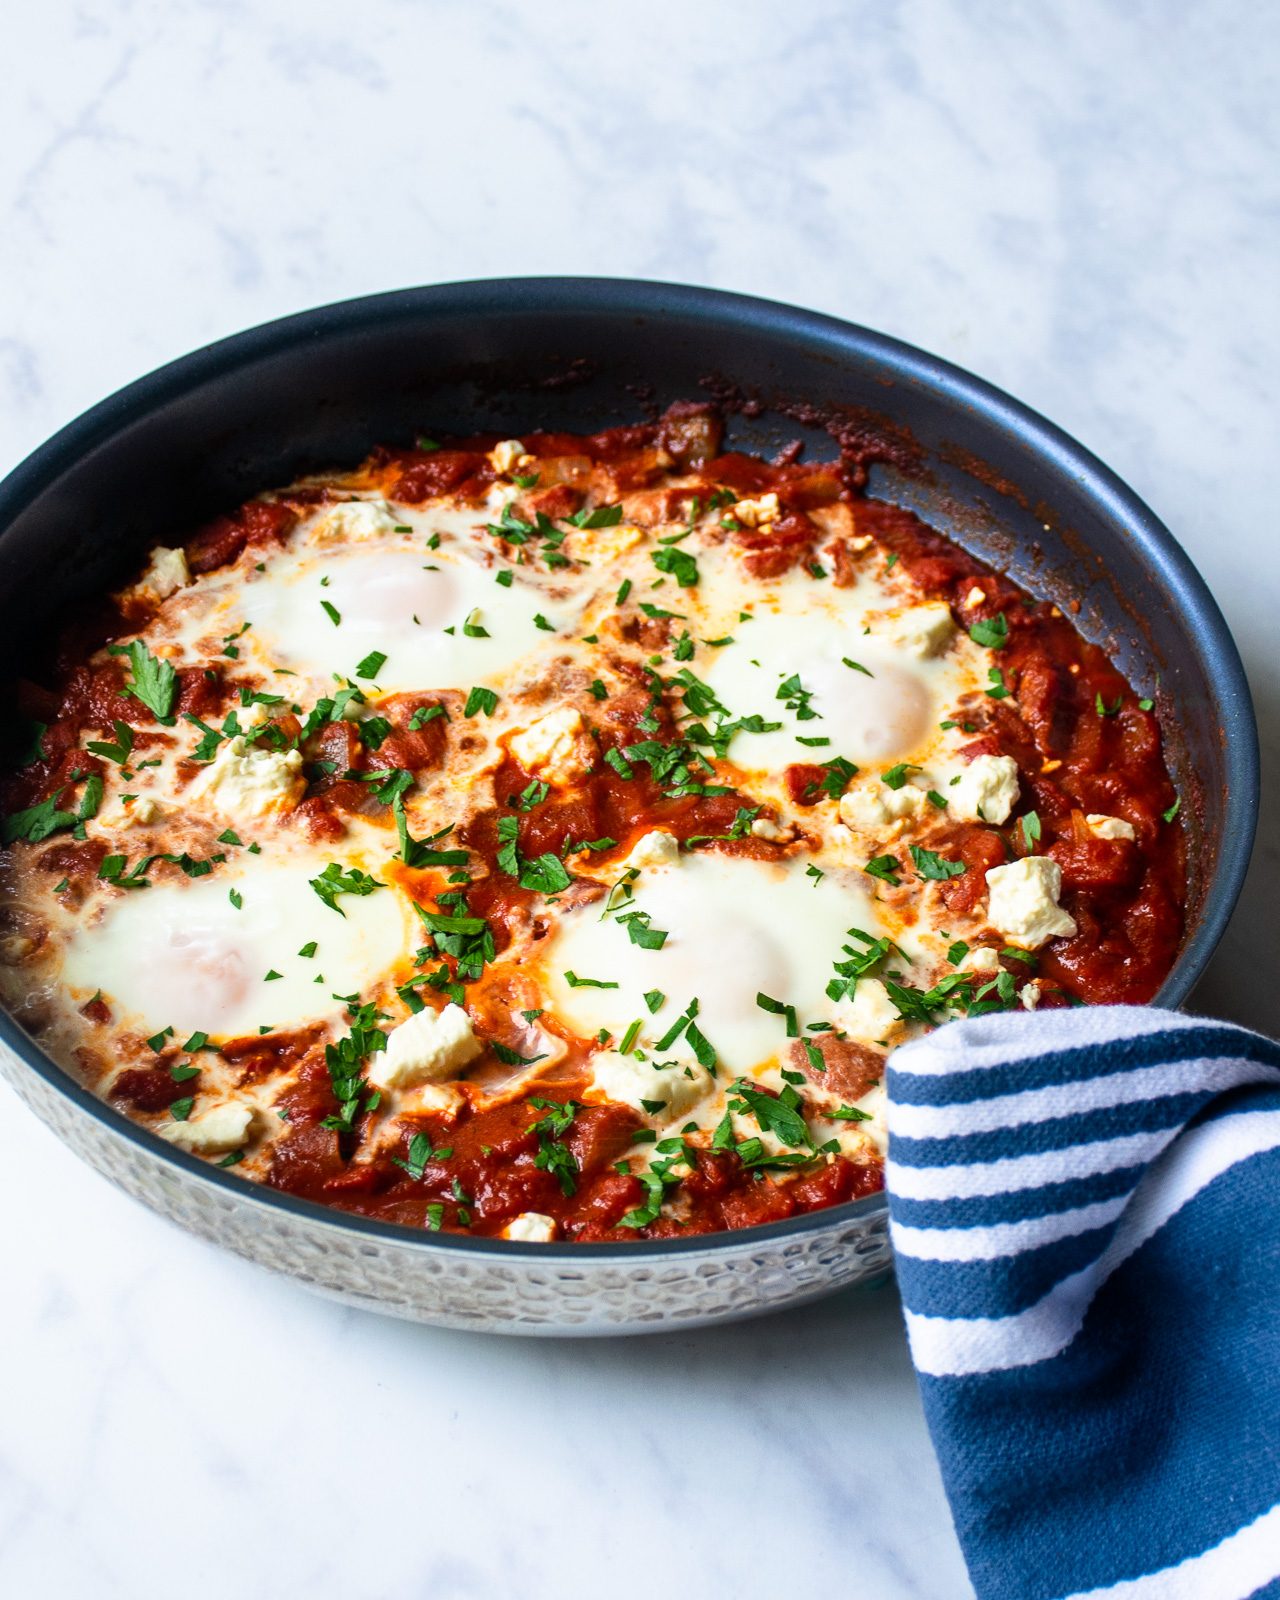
<point x="1085" y="1208"/>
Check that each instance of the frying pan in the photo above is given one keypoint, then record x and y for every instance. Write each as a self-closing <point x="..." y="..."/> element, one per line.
<point x="316" y="390"/>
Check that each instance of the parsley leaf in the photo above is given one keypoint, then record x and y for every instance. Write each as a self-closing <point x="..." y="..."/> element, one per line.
<point x="39" y="821"/>
<point x="334" y="881"/>
<point x="678" y="564"/>
<point x="419" y="852"/>
<point x="121" y="750"/>
<point x="778" y="1114"/>
<point x="154" y="682"/>
<point x="994" y="635"/>
<point x="546" y="875"/>
<point x="599" y="517"/>
<point x="931" y="865"/>
<point x="895" y="777"/>
<point x="480" y="699"/>
<point x="885" y="868"/>
<point x="554" y="1156"/>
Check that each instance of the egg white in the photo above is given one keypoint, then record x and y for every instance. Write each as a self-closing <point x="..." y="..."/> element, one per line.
<point x="181" y="954"/>
<point x="735" y="928"/>
<point x="397" y="597"/>
<point x="797" y="627"/>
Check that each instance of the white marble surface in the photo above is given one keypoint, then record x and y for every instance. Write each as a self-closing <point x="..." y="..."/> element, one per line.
<point x="1079" y="201"/>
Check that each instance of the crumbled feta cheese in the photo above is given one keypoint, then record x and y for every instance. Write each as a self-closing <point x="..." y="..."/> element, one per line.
<point x="437" y="1099"/>
<point x="355" y="520"/>
<point x="631" y="1082"/>
<point x="975" y="596"/>
<point x="531" y="1227"/>
<point x="1102" y="827"/>
<point x="506" y="456"/>
<point x="754" y="513"/>
<point x="222" y="1128"/>
<point x="1029" y="994"/>
<point x="861" y="542"/>
<point x="603" y="544"/>
<point x="167" y="573"/>
<point x="923" y="631"/>
<point x="246" y="780"/>
<point x="987" y="790"/>
<point x="984" y="959"/>
<point x="557" y="747"/>
<point x="858" y="1139"/>
<point x="144" y="811"/>
<point x="430" y="1047"/>
<point x="870" y="1015"/>
<point x="872" y="806"/>
<point x="657" y="848"/>
<point x="1023" y="901"/>
<point x="773" y="832"/>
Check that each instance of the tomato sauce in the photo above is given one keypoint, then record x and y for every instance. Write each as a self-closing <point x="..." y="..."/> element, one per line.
<point x="1084" y="743"/>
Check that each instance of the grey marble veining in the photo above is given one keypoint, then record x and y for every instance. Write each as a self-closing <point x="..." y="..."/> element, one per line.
<point x="1080" y="202"/>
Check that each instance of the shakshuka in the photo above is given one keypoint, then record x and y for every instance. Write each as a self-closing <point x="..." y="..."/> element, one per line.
<point x="551" y="837"/>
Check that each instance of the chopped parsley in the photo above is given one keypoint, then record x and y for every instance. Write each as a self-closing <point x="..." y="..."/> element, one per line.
<point x="779" y="1008"/>
<point x="466" y="939"/>
<point x="931" y="865"/>
<point x="345" y="1060"/>
<point x="884" y="868"/>
<point x="39" y="821"/>
<point x="641" y="932"/>
<point x="858" y="962"/>
<point x="554" y="1156"/>
<point x="480" y="699"/>
<point x="992" y="635"/>
<point x="420" y="852"/>
<point x="598" y="517"/>
<point x="546" y="875"/>
<point x="510" y="1057"/>
<point x="896" y="776"/>
<point x="997" y="688"/>
<point x="797" y="698"/>
<point x="678" y="564"/>
<point x="334" y="880"/>
<point x="153" y="680"/>
<point x="420" y="1153"/>
<point x="121" y="750"/>
<point x="777" y="1114"/>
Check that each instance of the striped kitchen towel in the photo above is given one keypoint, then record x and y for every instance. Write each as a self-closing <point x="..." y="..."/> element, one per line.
<point x="1085" y="1207"/>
